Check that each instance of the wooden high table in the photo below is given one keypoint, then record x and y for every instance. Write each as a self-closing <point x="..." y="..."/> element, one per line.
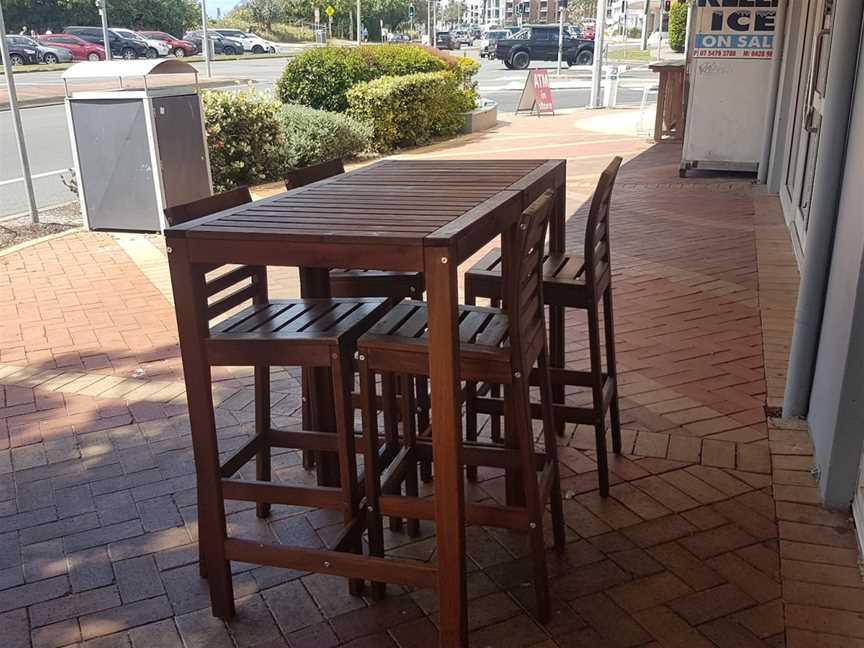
<point x="396" y="215"/>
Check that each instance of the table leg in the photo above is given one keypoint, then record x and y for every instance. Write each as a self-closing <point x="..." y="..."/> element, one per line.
<point x="190" y="302"/>
<point x="442" y="296"/>
<point x="319" y="413"/>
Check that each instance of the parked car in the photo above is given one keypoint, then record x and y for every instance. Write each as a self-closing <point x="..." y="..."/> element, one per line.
<point x="44" y="53"/>
<point x="540" y="43"/>
<point x="155" y="48"/>
<point x="127" y="48"/>
<point x="22" y="54"/>
<point x="462" y="37"/>
<point x="81" y="50"/>
<point x="445" y="40"/>
<point x="491" y="36"/>
<point x="251" y="42"/>
<point x="176" y="46"/>
<point x="221" y="45"/>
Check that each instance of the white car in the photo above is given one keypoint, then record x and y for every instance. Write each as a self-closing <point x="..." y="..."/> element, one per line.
<point x="251" y="42"/>
<point x="154" y="47"/>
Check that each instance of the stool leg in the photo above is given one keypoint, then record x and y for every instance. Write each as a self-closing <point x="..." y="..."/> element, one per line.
<point x="262" y="427"/>
<point x="597" y="394"/>
<point x="514" y="478"/>
<point x="611" y="368"/>
<point x="521" y="423"/>
<point x="343" y="384"/>
<point x="470" y="400"/>
<point x="391" y="430"/>
<point x="550" y="440"/>
<point x="308" y="455"/>
<point x="557" y="355"/>
<point x="495" y="392"/>
<point x="374" y="523"/>
<point x="423" y="422"/>
<point x="409" y="434"/>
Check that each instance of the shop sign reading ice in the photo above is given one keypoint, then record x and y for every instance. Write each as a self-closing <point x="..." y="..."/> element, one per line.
<point x="738" y="29"/>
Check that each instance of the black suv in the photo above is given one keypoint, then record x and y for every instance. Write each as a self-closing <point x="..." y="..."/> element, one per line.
<point x="221" y="45"/>
<point x="445" y="40"/>
<point x="540" y="43"/>
<point x="127" y="48"/>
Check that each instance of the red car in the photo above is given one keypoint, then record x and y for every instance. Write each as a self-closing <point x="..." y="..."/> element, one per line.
<point x="81" y="49"/>
<point x="179" y="48"/>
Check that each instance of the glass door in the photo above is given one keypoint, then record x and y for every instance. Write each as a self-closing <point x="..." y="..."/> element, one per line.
<point x="797" y="191"/>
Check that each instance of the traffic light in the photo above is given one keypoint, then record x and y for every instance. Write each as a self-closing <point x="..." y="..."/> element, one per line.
<point x="411" y="11"/>
<point x="667" y="5"/>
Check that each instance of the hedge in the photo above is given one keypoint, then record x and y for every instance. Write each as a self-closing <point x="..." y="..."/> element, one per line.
<point x="677" y="25"/>
<point x="243" y="136"/>
<point x="253" y="138"/>
<point x="321" y="77"/>
<point x="313" y="136"/>
<point x="411" y="109"/>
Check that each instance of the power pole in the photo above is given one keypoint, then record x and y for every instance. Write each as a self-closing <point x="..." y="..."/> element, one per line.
<point x="16" y="121"/>
<point x="597" y="71"/>
<point x="645" y="25"/>
<point x="562" y="6"/>
<point x="205" y="39"/>
<point x="106" y="40"/>
<point x="429" y="23"/>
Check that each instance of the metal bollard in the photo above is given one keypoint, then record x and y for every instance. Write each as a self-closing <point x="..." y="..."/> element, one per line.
<point x="610" y="90"/>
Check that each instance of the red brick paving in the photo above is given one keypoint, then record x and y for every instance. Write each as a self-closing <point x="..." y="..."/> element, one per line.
<point x="712" y="535"/>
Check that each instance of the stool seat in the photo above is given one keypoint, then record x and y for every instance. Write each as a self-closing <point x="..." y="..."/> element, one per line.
<point x="402" y="337"/>
<point x="563" y="277"/>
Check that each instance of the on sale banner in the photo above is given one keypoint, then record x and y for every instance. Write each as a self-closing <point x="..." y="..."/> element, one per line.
<point x="738" y="29"/>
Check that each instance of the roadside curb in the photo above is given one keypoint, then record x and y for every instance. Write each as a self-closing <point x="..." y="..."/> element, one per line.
<point x="56" y="100"/>
<point x="42" y="239"/>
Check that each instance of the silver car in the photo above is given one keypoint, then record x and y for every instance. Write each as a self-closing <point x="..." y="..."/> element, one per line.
<point x="45" y="53"/>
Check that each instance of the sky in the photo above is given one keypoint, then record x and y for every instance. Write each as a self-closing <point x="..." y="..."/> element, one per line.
<point x="224" y="5"/>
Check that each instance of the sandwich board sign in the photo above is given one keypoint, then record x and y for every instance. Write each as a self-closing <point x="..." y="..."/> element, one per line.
<point x="537" y="94"/>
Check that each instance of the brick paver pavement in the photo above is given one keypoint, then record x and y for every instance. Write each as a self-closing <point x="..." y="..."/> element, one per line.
<point x="712" y="535"/>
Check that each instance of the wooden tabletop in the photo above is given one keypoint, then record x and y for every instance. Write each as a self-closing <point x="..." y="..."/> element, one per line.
<point x="393" y="202"/>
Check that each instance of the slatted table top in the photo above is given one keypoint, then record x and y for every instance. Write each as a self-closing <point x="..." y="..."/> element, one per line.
<point x="405" y="202"/>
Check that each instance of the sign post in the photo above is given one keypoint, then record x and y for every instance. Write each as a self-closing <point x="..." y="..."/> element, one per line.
<point x="206" y="45"/>
<point x="102" y="5"/>
<point x="329" y="11"/>
<point x="597" y="72"/>
<point x="537" y="94"/>
<point x="562" y="8"/>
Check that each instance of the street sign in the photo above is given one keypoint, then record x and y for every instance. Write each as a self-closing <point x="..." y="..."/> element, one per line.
<point x="520" y="9"/>
<point x="330" y="11"/>
<point x="537" y="94"/>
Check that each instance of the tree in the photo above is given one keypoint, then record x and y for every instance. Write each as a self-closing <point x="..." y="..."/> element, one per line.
<point x="578" y="10"/>
<point x="677" y="25"/>
<point x="265" y="12"/>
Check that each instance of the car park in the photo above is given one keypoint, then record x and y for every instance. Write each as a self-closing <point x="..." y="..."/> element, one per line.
<point x="221" y="45"/>
<point x="44" y="53"/>
<point x="81" y="50"/>
<point x="540" y="43"/>
<point x="445" y="40"/>
<point x="491" y="36"/>
<point x="251" y="42"/>
<point x="22" y="54"/>
<point x="127" y="48"/>
<point x="176" y="46"/>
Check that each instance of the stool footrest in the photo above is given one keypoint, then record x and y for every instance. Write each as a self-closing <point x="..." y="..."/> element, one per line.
<point x="269" y="493"/>
<point x="333" y="563"/>
<point x="505" y="517"/>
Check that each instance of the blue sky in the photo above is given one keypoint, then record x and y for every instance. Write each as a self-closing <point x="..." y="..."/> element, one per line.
<point x="224" y="5"/>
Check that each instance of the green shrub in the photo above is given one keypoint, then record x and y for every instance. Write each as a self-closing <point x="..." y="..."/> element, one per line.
<point x="677" y="25"/>
<point x="321" y="77"/>
<point x="243" y="136"/>
<point x="411" y="109"/>
<point x="313" y="136"/>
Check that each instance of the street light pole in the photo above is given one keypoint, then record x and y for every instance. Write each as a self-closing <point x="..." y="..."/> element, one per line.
<point x="597" y="71"/>
<point x="645" y="15"/>
<point x="16" y="120"/>
<point x="106" y="40"/>
<point x="205" y="39"/>
<point x="359" y="25"/>
<point x="560" y="34"/>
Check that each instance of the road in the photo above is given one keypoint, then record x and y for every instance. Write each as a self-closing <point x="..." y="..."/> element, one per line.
<point x="47" y="136"/>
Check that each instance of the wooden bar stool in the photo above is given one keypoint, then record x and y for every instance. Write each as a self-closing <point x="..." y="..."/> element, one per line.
<point x="501" y="346"/>
<point x="308" y="333"/>
<point x="353" y="282"/>
<point x="570" y="280"/>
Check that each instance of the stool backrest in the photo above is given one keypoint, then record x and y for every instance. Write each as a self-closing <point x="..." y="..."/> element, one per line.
<point x="307" y="175"/>
<point x="523" y="288"/>
<point x="179" y="214"/>
<point x="254" y="278"/>
<point x="598" y="265"/>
